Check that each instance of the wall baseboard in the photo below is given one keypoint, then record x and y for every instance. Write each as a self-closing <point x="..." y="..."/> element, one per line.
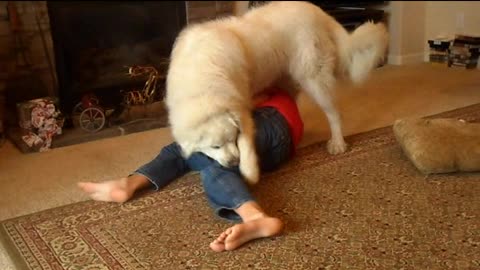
<point x="414" y="58"/>
<point x="406" y="59"/>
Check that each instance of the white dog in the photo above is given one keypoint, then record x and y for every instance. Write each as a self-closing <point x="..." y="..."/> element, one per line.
<point x="217" y="68"/>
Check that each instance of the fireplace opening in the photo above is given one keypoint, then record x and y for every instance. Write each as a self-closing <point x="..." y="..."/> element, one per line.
<point x="97" y="42"/>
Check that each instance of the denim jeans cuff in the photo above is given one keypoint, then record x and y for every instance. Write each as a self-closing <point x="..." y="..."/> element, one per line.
<point x="228" y="213"/>
<point x="155" y="185"/>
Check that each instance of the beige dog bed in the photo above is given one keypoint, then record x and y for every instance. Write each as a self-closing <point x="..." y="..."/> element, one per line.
<point x="440" y="145"/>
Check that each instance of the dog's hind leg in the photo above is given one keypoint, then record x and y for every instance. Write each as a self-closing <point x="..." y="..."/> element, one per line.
<point x="315" y="74"/>
<point x="312" y="66"/>
<point x="316" y="88"/>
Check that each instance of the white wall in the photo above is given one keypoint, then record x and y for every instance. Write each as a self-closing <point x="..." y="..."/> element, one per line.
<point x="406" y="26"/>
<point x="447" y="18"/>
<point x="451" y="17"/>
<point x="412" y="23"/>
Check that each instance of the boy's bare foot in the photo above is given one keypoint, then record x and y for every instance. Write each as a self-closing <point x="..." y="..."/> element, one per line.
<point x="240" y="234"/>
<point x="115" y="190"/>
<point x="108" y="191"/>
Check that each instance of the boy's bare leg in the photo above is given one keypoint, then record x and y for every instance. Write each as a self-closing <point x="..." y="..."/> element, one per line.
<point x="256" y="224"/>
<point x="120" y="190"/>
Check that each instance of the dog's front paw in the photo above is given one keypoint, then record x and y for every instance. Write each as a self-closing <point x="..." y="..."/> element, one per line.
<point x="250" y="172"/>
<point x="336" y="147"/>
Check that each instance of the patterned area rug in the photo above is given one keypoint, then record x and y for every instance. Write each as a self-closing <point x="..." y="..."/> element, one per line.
<point x="366" y="209"/>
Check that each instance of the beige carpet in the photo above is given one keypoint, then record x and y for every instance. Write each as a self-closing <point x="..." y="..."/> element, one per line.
<point x="368" y="208"/>
<point x="32" y="183"/>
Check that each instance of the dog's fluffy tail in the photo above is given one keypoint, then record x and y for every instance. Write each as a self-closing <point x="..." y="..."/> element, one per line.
<point x="362" y="50"/>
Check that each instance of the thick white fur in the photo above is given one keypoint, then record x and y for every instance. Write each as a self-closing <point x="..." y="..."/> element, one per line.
<point x="218" y="67"/>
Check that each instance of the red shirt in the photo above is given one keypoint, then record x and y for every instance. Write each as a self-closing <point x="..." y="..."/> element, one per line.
<point x="287" y="106"/>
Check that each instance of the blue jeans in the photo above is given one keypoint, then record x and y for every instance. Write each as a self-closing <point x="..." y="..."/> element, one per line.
<point x="224" y="187"/>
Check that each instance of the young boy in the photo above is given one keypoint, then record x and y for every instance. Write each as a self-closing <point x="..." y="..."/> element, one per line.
<point x="279" y="129"/>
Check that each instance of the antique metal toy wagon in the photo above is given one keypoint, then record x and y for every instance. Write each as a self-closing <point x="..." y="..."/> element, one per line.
<point x="92" y="115"/>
